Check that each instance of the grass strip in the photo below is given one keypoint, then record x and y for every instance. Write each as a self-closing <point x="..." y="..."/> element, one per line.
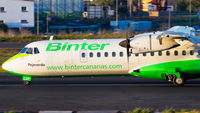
<point x="64" y="36"/>
<point x="139" y="110"/>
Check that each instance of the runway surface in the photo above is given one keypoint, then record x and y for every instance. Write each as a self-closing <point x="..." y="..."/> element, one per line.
<point x="95" y="93"/>
<point x="12" y="44"/>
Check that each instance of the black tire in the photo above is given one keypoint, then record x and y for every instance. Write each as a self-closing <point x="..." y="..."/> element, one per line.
<point x="27" y="83"/>
<point x="178" y="82"/>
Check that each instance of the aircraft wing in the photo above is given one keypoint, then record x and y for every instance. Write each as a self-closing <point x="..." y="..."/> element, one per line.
<point x="182" y="35"/>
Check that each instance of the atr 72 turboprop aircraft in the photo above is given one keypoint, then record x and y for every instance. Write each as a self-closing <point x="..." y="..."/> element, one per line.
<point x="171" y="55"/>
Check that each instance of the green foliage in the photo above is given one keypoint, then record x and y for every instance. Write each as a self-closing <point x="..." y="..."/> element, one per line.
<point x="169" y="111"/>
<point x="135" y="2"/>
<point x="3" y="27"/>
<point x="11" y="111"/>
<point x="195" y="6"/>
<point x="103" y="2"/>
<point x="184" y="5"/>
<point x="180" y="111"/>
<point x="138" y="110"/>
<point x="181" y="5"/>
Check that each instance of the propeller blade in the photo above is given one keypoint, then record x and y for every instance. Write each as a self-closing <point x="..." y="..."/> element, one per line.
<point x="160" y="41"/>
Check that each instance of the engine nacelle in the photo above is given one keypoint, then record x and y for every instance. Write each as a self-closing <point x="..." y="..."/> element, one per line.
<point x="148" y="42"/>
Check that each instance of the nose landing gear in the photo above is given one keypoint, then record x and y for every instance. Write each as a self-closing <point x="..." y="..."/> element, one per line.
<point x="27" y="83"/>
<point x="27" y="80"/>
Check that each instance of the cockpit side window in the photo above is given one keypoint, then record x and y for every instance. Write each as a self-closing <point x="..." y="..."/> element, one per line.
<point x="23" y="50"/>
<point x="36" y="51"/>
<point x="29" y="51"/>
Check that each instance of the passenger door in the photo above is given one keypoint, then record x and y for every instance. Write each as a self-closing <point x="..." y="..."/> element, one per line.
<point x="133" y="60"/>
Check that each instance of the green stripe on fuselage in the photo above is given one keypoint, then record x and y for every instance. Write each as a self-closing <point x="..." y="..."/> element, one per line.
<point x="156" y="71"/>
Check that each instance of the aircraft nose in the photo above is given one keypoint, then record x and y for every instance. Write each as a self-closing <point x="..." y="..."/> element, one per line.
<point x="5" y="66"/>
<point x="8" y="66"/>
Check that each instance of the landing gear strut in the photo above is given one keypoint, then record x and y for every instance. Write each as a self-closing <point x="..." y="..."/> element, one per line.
<point x="27" y="80"/>
<point x="176" y="81"/>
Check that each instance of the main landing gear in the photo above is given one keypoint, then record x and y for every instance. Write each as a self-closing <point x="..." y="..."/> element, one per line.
<point x="27" y="80"/>
<point x="176" y="81"/>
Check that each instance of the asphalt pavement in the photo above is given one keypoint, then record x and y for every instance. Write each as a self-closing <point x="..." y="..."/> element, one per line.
<point x="12" y="44"/>
<point x="95" y="93"/>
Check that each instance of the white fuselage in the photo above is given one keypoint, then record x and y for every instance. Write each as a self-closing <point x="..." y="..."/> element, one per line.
<point x="91" y="57"/>
<point x="103" y="57"/>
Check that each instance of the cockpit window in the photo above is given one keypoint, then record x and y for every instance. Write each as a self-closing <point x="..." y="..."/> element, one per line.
<point x="23" y="50"/>
<point x="29" y="51"/>
<point x="36" y="51"/>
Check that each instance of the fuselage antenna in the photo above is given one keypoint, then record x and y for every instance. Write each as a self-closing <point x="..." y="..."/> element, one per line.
<point x="51" y="38"/>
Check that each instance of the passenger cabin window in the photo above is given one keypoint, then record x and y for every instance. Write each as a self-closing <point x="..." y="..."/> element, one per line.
<point x="106" y="54"/>
<point x="98" y="54"/>
<point x="175" y="53"/>
<point x="160" y="53"/>
<point x="191" y="52"/>
<point x="24" y="21"/>
<point x="144" y="54"/>
<point x="23" y="50"/>
<point x="167" y="53"/>
<point x="183" y="52"/>
<point x="113" y="54"/>
<point x="29" y="51"/>
<point x="136" y="54"/>
<point x="198" y="52"/>
<point x="152" y="53"/>
<point x="83" y="55"/>
<point x="2" y="10"/>
<point x="24" y="9"/>
<point x="91" y="54"/>
<point x="121" y="54"/>
<point x="36" y="51"/>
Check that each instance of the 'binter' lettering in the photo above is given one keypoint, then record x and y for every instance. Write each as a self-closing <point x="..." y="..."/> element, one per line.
<point x="75" y="47"/>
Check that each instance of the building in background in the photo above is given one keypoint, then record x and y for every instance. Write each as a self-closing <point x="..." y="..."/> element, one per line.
<point x="17" y="13"/>
<point x="154" y="5"/>
<point x="145" y="5"/>
<point x="60" y="6"/>
<point x="95" y="11"/>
